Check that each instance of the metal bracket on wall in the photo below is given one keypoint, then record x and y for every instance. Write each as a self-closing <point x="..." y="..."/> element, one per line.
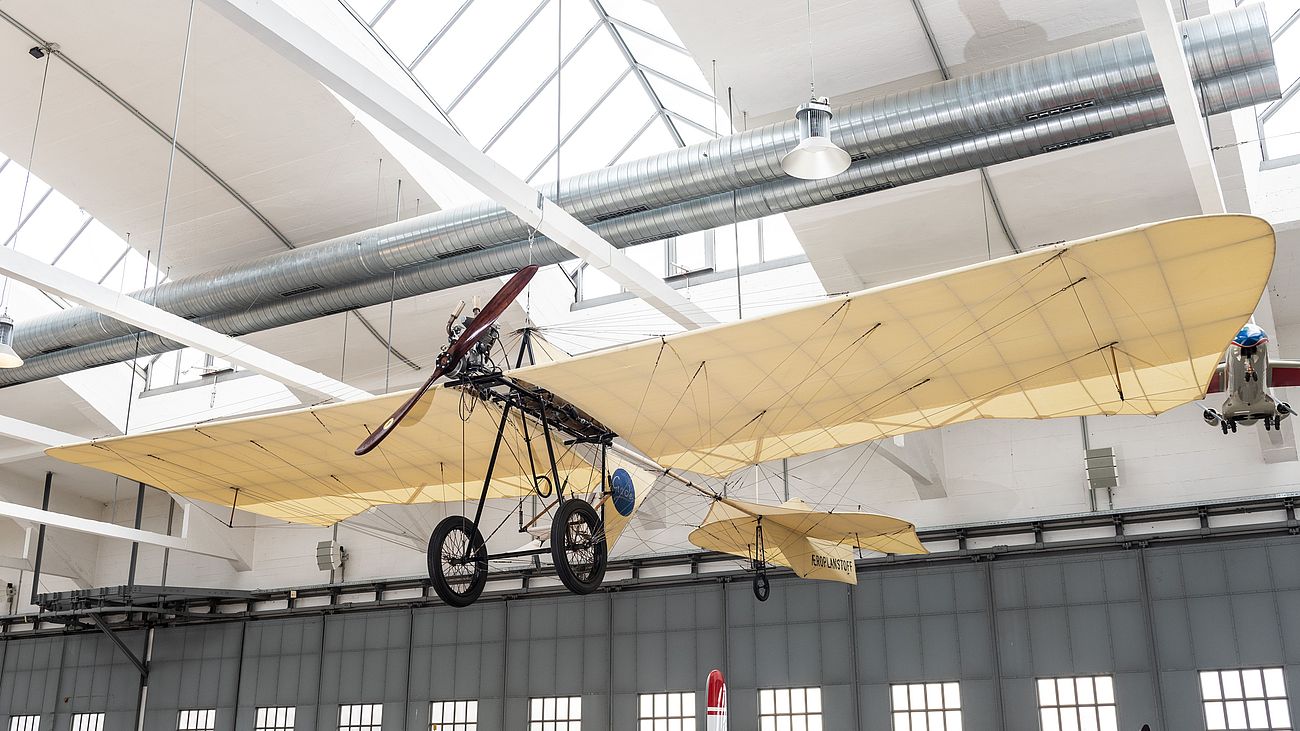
<point x="139" y="664"/>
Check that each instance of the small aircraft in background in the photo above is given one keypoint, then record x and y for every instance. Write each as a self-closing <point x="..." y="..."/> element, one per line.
<point x="1246" y="375"/>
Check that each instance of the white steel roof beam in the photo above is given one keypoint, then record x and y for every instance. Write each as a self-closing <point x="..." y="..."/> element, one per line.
<point x="122" y="307"/>
<point x="303" y="46"/>
<point x="112" y="530"/>
<point x="1167" y="49"/>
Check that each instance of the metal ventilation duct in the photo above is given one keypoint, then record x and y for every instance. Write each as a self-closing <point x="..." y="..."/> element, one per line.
<point x="1091" y="93"/>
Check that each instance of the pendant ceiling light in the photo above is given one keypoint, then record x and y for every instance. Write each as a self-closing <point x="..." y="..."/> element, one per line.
<point x="815" y="157"/>
<point x="8" y="358"/>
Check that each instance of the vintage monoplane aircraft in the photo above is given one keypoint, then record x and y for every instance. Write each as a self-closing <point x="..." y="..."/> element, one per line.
<point x="1246" y="375"/>
<point x="1131" y="322"/>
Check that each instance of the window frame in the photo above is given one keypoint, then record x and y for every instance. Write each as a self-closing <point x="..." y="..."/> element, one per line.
<point x="1075" y="705"/>
<point x="570" y="722"/>
<point x="774" y="717"/>
<point x="370" y="718"/>
<point x="687" y="713"/>
<point x="909" y="711"/>
<point x="468" y="721"/>
<point x="278" y="724"/>
<point x="1267" y="700"/>
<point x="78" y="721"/>
<point x="202" y="719"/>
<point x="25" y="722"/>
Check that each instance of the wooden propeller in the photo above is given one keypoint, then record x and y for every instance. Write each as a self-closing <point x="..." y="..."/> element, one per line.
<point x="449" y="359"/>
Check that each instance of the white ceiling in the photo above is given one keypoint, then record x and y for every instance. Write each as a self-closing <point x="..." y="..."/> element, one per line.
<point x="419" y="333"/>
<point x="274" y="134"/>
<point x="870" y="47"/>
<point x="948" y="222"/>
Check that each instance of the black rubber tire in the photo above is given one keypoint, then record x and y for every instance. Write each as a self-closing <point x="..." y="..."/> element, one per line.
<point x="577" y="532"/>
<point x="762" y="586"/>
<point x="458" y="535"/>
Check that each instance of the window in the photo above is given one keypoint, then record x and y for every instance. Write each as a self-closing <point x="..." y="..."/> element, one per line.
<point x="1077" y="704"/>
<point x="761" y="241"/>
<point x="87" y="722"/>
<point x="197" y="720"/>
<point x="666" y="712"/>
<point x="453" y="716"/>
<point x="555" y="714"/>
<point x="1251" y="699"/>
<point x="926" y="707"/>
<point x="274" y="718"/>
<point x="24" y="723"/>
<point x="363" y="717"/>
<point x="790" y="709"/>
<point x="184" y="366"/>
<point x="1278" y="123"/>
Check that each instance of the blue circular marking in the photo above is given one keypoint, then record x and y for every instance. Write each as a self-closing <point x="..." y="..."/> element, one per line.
<point x="620" y="484"/>
<point x="1249" y="336"/>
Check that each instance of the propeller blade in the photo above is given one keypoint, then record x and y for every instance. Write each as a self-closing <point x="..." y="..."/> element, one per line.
<point x="474" y="332"/>
<point x="489" y="314"/>
<point x="382" y="432"/>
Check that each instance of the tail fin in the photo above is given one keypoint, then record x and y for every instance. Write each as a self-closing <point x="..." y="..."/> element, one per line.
<point x="716" y="712"/>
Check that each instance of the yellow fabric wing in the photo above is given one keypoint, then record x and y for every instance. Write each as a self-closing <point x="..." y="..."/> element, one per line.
<point x="814" y="544"/>
<point x="1132" y="322"/>
<point x="298" y="465"/>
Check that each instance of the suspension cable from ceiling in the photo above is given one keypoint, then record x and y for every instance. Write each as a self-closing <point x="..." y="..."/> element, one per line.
<point x="27" y="179"/>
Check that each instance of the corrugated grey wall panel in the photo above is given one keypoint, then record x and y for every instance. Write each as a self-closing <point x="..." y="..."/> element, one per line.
<point x="1204" y="606"/>
<point x="365" y="661"/>
<point x="97" y="678"/>
<point x="281" y="665"/>
<point x="194" y="667"/>
<point x="30" y="681"/>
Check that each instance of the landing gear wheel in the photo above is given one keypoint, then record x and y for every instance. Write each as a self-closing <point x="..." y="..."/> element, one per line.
<point x="1224" y="426"/>
<point x="578" y="546"/>
<point x="1233" y="426"/>
<point x="762" y="586"/>
<point x="458" y="561"/>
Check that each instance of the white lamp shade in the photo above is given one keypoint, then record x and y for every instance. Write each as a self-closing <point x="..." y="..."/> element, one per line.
<point x="8" y="358"/>
<point x="815" y="158"/>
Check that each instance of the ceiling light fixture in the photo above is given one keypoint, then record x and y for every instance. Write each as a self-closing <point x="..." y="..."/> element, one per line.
<point x="815" y="157"/>
<point x="8" y="357"/>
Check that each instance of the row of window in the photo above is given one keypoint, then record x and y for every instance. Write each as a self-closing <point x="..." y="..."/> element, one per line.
<point x="1251" y="699"/>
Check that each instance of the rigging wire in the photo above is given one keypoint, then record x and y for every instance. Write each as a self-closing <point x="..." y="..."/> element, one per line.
<point x="735" y="220"/>
<point x="171" y="157"/>
<point x="27" y="179"/>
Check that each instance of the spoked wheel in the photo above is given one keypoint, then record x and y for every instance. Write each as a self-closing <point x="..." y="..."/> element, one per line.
<point x="578" y="546"/>
<point x="762" y="586"/>
<point x="458" y="561"/>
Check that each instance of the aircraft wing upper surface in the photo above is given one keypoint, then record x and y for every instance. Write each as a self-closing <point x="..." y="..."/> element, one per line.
<point x="1057" y="331"/>
<point x="1132" y="322"/>
<point x="298" y="465"/>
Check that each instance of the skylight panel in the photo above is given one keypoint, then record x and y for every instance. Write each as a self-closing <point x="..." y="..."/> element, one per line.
<point x="409" y="25"/>
<point x="11" y="192"/>
<point x="689" y="104"/>
<point x="524" y="66"/>
<point x="643" y="15"/>
<point x="670" y="62"/>
<point x="614" y="121"/>
<point x="654" y="139"/>
<point x="470" y="42"/>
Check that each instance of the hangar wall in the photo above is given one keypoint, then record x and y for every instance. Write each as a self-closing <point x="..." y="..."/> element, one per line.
<point x="994" y="626"/>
